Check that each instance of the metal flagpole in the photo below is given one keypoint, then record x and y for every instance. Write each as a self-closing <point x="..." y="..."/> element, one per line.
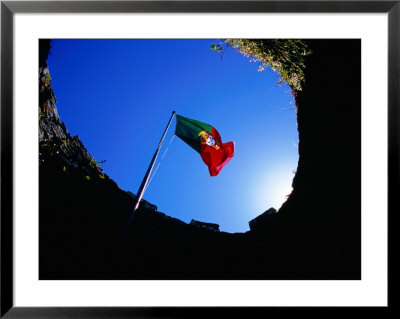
<point x="142" y="187"/>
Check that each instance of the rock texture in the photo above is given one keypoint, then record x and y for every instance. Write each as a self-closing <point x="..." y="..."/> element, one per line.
<point x="316" y="234"/>
<point x="260" y="220"/>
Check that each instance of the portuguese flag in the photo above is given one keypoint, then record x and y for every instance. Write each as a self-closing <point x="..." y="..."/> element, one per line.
<point x="206" y="140"/>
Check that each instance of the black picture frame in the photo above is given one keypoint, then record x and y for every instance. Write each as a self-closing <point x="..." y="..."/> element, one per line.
<point x="9" y="8"/>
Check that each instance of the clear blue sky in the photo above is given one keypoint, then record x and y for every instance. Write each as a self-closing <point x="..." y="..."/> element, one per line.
<point x="118" y="95"/>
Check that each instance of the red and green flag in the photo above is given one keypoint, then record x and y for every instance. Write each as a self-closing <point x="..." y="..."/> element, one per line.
<point x="206" y="140"/>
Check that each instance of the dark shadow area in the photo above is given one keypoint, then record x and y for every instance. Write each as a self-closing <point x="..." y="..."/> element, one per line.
<point x="315" y="235"/>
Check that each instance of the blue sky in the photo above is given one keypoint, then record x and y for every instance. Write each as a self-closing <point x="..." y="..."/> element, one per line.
<point x="118" y="95"/>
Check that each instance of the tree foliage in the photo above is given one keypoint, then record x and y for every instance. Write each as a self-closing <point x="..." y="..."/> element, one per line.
<point x="284" y="55"/>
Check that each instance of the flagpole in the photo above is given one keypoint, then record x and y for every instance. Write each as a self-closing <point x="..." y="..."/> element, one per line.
<point x="142" y="187"/>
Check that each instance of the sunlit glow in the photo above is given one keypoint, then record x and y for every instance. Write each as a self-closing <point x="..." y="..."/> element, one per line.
<point x="273" y="189"/>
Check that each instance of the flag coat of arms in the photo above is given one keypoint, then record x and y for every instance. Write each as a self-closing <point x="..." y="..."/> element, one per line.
<point x="206" y="140"/>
